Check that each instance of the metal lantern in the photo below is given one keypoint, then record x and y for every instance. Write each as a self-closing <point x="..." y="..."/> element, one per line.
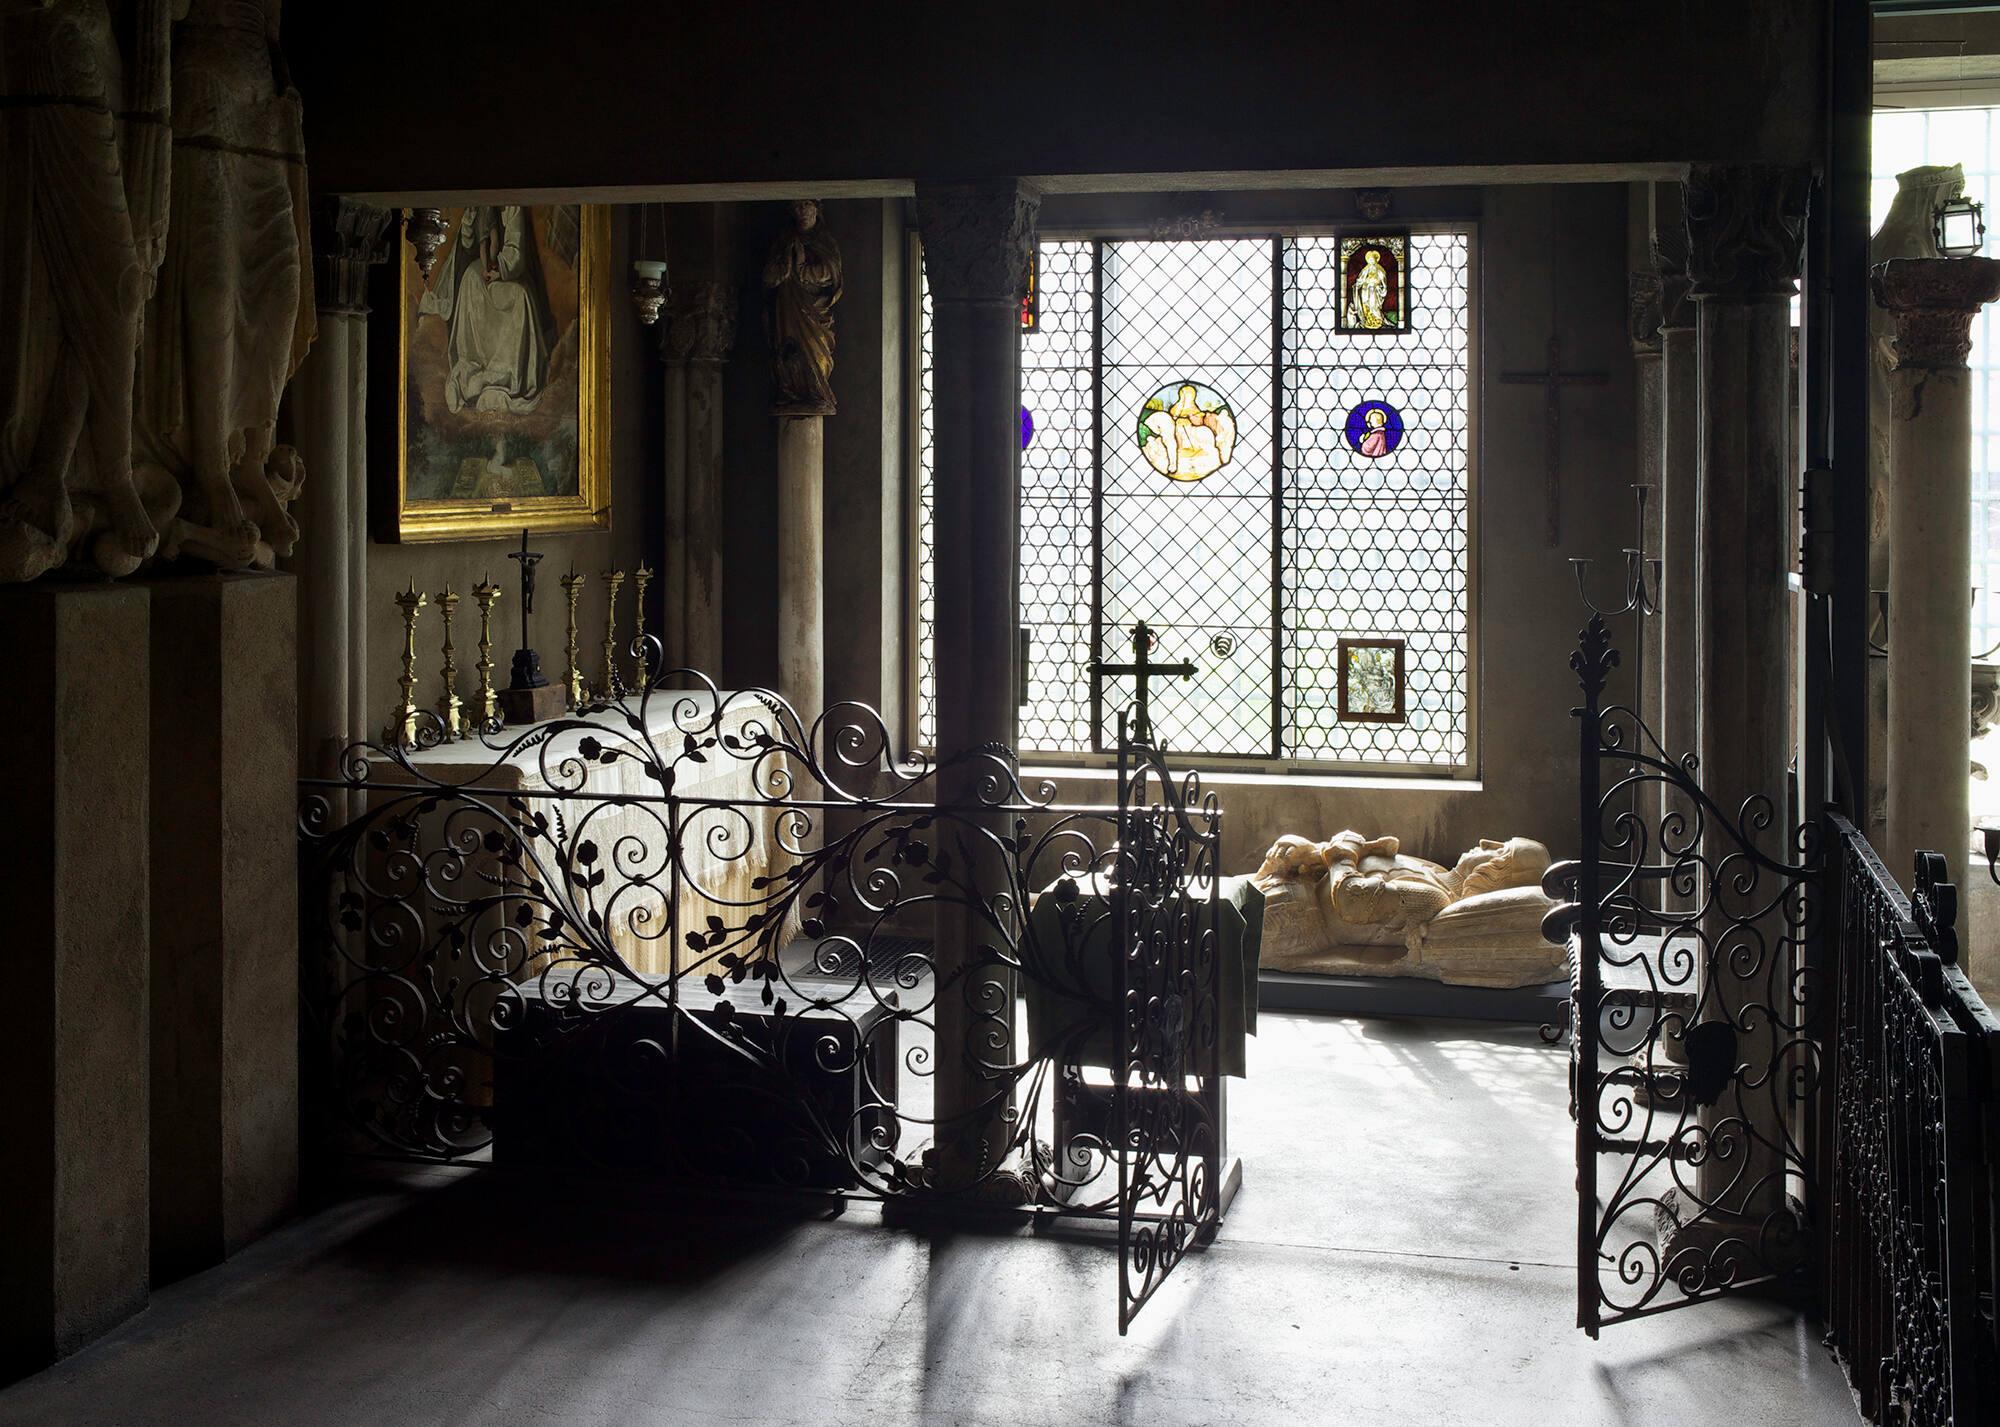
<point x="1959" y="228"/>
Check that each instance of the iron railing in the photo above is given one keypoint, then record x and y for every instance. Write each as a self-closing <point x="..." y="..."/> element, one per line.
<point x="703" y="935"/>
<point x="1913" y="1245"/>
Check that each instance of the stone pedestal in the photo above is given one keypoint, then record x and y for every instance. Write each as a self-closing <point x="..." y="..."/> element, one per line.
<point x="73" y="1022"/>
<point x="1745" y="229"/>
<point x="1931" y="302"/>
<point x="224" y="946"/>
<point x="699" y="335"/>
<point x="802" y="563"/>
<point x="977" y="238"/>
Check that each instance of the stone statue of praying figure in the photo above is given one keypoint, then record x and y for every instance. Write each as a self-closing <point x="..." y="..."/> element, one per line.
<point x="802" y="283"/>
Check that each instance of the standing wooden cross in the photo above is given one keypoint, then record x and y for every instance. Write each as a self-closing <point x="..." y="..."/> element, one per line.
<point x="1552" y="380"/>
<point x="1142" y="668"/>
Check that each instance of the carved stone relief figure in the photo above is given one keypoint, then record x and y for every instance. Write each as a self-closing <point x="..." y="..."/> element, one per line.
<point x="233" y="312"/>
<point x="83" y="205"/>
<point x="802" y="281"/>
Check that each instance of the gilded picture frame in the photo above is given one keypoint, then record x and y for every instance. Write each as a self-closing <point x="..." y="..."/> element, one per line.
<point x="503" y="376"/>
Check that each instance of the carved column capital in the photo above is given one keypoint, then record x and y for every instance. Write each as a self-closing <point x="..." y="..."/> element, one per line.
<point x="977" y="238"/>
<point x="1643" y="308"/>
<point x="348" y="238"/>
<point x="701" y="326"/>
<point x="1932" y="302"/>
<point x="1746" y="229"/>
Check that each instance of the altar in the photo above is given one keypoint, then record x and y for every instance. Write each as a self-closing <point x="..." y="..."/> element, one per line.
<point x="600" y="782"/>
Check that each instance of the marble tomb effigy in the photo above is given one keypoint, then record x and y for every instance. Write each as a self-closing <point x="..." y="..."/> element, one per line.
<point x="1360" y="906"/>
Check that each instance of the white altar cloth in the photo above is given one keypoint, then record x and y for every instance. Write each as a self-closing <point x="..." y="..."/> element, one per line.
<point x="724" y="842"/>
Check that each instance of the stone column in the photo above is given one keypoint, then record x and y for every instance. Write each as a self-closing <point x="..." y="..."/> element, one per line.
<point x="74" y="1164"/>
<point x="977" y="239"/>
<point x="1680" y="514"/>
<point x="1746" y="227"/>
<point x="802" y="563"/>
<point x="1931" y="302"/>
<point x="702" y="331"/>
<point x="329" y="409"/>
<point x="1643" y="298"/>
<point x="802" y="283"/>
<point x="1907" y="231"/>
<point x="675" y="338"/>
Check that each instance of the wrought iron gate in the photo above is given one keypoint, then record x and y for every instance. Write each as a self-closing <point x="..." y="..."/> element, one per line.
<point x="1167" y="1084"/>
<point x="691" y="933"/>
<point x="1695" y="1059"/>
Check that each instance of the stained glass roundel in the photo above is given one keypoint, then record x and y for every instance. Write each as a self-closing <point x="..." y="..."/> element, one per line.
<point x="1186" y="431"/>
<point x="1374" y="428"/>
<point x="1027" y="427"/>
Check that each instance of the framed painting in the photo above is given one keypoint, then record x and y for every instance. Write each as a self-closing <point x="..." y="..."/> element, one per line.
<point x="503" y="376"/>
<point x="1371" y="680"/>
<point x="1374" y="282"/>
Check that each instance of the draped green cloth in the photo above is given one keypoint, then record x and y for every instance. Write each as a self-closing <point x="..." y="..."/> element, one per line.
<point x="1069" y="975"/>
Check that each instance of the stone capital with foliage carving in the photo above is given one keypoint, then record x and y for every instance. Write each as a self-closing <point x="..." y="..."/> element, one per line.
<point x="1642" y="299"/>
<point x="1670" y="263"/>
<point x="1932" y="302"/>
<point x="977" y="238"/>
<point x="349" y="238"/>
<point x="701" y="327"/>
<point x="1746" y="227"/>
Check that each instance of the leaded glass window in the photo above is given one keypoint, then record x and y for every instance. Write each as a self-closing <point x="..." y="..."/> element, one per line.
<point x="1283" y="502"/>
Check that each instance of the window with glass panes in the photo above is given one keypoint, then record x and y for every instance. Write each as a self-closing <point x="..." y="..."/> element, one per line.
<point x="1262" y="448"/>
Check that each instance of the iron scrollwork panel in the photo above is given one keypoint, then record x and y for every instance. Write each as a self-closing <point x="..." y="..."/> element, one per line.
<point x="1695" y="1055"/>
<point x="587" y="950"/>
<point x="1909" y="1280"/>
<point x="1167" y="1084"/>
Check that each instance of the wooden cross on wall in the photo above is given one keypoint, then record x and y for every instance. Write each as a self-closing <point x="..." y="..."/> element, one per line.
<point x="1552" y="379"/>
<point x="1142" y="668"/>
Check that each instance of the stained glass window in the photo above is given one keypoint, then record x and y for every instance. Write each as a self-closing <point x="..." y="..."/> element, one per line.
<point x="1287" y="504"/>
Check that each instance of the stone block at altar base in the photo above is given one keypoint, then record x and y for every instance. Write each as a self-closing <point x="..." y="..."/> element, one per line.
<point x="225" y="925"/>
<point x="73" y="1018"/>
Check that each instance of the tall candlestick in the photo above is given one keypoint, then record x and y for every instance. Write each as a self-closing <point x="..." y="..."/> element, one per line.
<point x="449" y="705"/>
<point x="613" y="685"/>
<point x="572" y="584"/>
<point x="485" y="704"/>
<point x="640" y="579"/>
<point x="402" y="729"/>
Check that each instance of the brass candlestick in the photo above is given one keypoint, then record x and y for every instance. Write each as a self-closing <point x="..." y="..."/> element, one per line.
<point x="449" y="705"/>
<point x="640" y="579"/>
<point x="485" y="703"/>
<point x="572" y="584"/>
<point x="402" y="729"/>
<point x="613" y="685"/>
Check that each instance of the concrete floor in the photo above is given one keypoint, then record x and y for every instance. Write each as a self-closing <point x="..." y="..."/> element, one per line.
<point x="1401" y="1253"/>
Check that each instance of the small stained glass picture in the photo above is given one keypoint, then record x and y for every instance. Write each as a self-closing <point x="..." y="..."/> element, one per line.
<point x="1374" y="284"/>
<point x="1371" y="680"/>
<point x="1374" y="429"/>
<point x="1031" y="296"/>
<point x="1186" y="431"/>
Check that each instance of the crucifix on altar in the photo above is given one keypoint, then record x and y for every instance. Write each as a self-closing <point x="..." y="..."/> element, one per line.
<point x="1142" y="668"/>
<point x="1552" y="379"/>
